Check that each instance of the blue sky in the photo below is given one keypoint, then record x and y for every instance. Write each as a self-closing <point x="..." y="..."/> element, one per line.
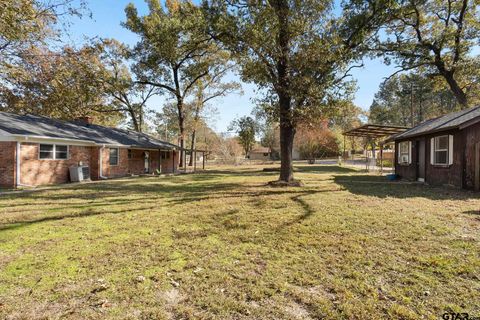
<point x="105" y="23"/>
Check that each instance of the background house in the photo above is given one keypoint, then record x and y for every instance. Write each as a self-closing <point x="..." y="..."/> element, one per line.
<point x="260" y="153"/>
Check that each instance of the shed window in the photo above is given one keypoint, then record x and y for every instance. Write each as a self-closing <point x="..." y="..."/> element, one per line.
<point x="113" y="156"/>
<point x="53" y="152"/>
<point x="130" y="154"/>
<point x="404" y="153"/>
<point x="442" y="150"/>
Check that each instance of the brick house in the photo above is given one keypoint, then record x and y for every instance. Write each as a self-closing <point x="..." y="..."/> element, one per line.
<point x="36" y="150"/>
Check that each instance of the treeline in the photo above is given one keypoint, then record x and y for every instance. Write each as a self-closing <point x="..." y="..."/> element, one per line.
<point x="410" y="98"/>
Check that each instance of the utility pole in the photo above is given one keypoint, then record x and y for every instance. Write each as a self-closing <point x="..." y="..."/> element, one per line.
<point x="411" y="104"/>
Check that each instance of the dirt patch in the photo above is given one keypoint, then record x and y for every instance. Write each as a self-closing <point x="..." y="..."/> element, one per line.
<point x="297" y="311"/>
<point x="171" y="299"/>
<point x="282" y="184"/>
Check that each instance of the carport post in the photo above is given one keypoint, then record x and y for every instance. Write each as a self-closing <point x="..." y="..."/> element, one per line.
<point x="381" y="158"/>
<point x="173" y="161"/>
<point x="203" y="160"/>
<point x="159" y="161"/>
<point x="194" y="160"/>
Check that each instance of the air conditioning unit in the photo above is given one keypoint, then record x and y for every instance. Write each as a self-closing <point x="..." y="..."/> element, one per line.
<point x="79" y="173"/>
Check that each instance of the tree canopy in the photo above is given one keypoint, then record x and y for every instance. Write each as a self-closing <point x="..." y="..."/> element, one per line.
<point x="409" y="99"/>
<point x="175" y="52"/>
<point x="246" y="128"/>
<point x="437" y="35"/>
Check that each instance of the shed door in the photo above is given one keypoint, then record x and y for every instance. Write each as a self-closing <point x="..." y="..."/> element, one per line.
<point x="421" y="160"/>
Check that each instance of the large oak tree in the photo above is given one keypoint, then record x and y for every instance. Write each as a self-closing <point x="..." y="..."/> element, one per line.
<point x="297" y="52"/>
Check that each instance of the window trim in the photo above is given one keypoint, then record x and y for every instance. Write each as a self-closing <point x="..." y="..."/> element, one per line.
<point x="435" y="150"/>
<point x="408" y="153"/>
<point x="54" y="151"/>
<point x="118" y="157"/>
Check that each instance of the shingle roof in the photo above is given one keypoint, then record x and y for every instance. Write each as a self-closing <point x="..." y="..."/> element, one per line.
<point x="33" y="125"/>
<point x="446" y="122"/>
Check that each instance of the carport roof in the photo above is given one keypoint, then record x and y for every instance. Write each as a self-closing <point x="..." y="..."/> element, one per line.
<point x="375" y="131"/>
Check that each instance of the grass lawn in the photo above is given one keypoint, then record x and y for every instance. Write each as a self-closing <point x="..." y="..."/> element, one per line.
<point x="223" y="245"/>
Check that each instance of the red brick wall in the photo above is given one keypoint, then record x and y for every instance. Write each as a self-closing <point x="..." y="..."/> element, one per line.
<point x="95" y="163"/>
<point x="7" y="164"/>
<point x="167" y="164"/>
<point x="35" y="171"/>
<point x="114" y="171"/>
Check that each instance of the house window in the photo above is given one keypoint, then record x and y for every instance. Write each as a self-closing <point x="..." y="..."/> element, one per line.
<point x="61" y="152"/>
<point x="441" y="150"/>
<point x="165" y="155"/>
<point x="47" y="151"/>
<point x="113" y="156"/>
<point x="130" y="154"/>
<point x="53" y="152"/>
<point x="404" y="152"/>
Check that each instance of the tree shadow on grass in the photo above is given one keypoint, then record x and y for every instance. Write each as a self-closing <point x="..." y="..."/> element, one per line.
<point x="308" y="210"/>
<point x="87" y="213"/>
<point x="474" y="213"/>
<point x="323" y="169"/>
<point x="379" y="186"/>
<point x="98" y="192"/>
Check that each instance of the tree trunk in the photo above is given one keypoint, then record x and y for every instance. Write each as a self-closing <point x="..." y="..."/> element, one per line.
<point x="181" y="126"/>
<point x="457" y="91"/>
<point x="181" y="123"/>
<point x="287" y="133"/>
<point x="136" y="127"/>
<point x="192" y="147"/>
<point x="287" y="128"/>
<point x="140" y="122"/>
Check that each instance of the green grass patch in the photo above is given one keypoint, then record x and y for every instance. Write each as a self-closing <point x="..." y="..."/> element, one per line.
<point x="223" y="245"/>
